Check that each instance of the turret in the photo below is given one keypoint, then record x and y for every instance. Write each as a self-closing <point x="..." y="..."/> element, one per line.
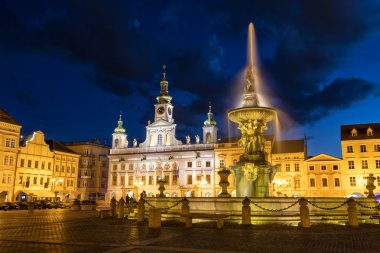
<point x="119" y="137"/>
<point x="210" y="131"/>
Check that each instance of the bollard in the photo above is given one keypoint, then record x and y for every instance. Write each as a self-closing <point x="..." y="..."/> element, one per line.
<point x="352" y="213"/>
<point x="185" y="209"/>
<point x="120" y="212"/>
<point x="30" y="207"/>
<point x="141" y="210"/>
<point x="304" y="214"/>
<point x="131" y="209"/>
<point x="113" y="207"/>
<point x="154" y="219"/>
<point x="246" y="212"/>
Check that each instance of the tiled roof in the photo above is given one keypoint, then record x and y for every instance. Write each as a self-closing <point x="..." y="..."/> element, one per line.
<point x="345" y="131"/>
<point x="289" y="146"/>
<point x="6" y="117"/>
<point x="57" y="146"/>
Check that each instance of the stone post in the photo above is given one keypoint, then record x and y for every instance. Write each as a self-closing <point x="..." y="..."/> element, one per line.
<point x="141" y="210"/>
<point x="185" y="209"/>
<point x="246" y="211"/>
<point x="304" y="214"/>
<point x="154" y="219"/>
<point x="224" y="173"/>
<point x="113" y="206"/>
<point x="352" y="213"/>
<point x="370" y="185"/>
<point x="161" y="183"/>
<point x="120" y="212"/>
<point x="131" y="209"/>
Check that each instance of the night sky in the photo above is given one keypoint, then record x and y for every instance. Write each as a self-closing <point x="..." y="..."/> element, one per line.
<point x="69" y="67"/>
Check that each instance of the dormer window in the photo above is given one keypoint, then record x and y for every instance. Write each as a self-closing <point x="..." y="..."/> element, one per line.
<point x="354" y="132"/>
<point x="369" y="131"/>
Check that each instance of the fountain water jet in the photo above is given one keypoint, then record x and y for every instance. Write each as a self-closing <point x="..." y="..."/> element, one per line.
<point x="252" y="173"/>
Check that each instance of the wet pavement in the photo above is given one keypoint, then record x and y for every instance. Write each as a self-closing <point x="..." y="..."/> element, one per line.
<point x="82" y="231"/>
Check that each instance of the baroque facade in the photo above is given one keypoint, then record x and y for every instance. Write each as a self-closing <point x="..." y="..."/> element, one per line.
<point x="188" y="169"/>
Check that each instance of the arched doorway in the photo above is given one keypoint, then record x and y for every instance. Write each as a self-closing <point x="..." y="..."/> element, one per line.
<point x="189" y="194"/>
<point x="4" y="196"/>
<point x="130" y="194"/>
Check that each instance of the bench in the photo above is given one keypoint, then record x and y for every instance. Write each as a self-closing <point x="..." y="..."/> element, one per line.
<point x="219" y="217"/>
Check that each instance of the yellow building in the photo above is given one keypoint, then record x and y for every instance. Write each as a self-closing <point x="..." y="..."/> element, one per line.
<point x="93" y="169"/>
<point x="9" y="144"/>
<point x="65" y="174"/>
<point x="34" y="172"/>
<point x="361" y="155"/>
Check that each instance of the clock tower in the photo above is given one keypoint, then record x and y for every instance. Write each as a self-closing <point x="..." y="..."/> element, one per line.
<point x="164" y="109"/>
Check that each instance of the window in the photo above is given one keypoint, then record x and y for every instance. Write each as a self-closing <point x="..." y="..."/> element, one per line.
<point x="377" y="147"/>
<point x="369" y="131"/>
<point x="354" y="133"/>
<point x="378" y="181"/>
<point x="36" y="164"/>
<point x="364" y="164"/>
<point x="296" y="167"/>
<point x="363" y="148"/>
<point x="22" y="163"/>
<point x="68" y="169"/>
<point x="20" y="179"/>
<point x="150" y="180"/>
<point x="335" y="167"/>
<point x="62" y="168"/>
<point x="350" y="149"/>
<point x="34" y="180"/>
<point x="323" y="167"/>
<point x="336" y="182"/>
<point x="6" y="160"/>
<point x="221" y="163"/>
<point x="114" y="180"/>
<point x="208" y="179"/>
<point x="311" y="168"/>
<point x="114" y="167"/>
<point x="167" y="179"/>
<point x="297" y="183"/>
<point x="377" y="164"/>
<point x="104" y="174"/>
<point x="189" y="164"/>
<point x="43" y="165"/>
<point x="131" y="166"/>
<point x="199" y="163"/>
<point x="49" y="166"/>
<point x="122" y="180"/>
<point x="174" y="179"/>
<point x="130" y="180"/>
<point x="189" y="179"/>
<point x="352" y="181"/>
<point x="29" y="163"/>
<point x="312" y="182"/>
<point x="57" y="168"/>
<point x="143" y="179"/>
<point x="73" y="169"/>
<point x="287" y="167"/>
<point x="199" y="178"/>
<point x="208" y="163"/>
<point x="41" y="180"/>
<point x="324" y="182"/>
<point x="7" y="142"/>
<point x="351" y="165"/>
<point x="85" y="152"/>
<point x="122" y="166"/>
<point x="159" y="139"/>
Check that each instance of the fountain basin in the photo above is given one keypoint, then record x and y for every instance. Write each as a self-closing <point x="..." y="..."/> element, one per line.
<point x="242" y="114"/>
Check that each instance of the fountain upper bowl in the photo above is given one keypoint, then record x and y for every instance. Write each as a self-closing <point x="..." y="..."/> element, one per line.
<point x="242" y="114"/>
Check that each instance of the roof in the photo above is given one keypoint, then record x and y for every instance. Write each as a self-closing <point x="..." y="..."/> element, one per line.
<point x="7" y="118"/>
<point x="289" y="146"/>
<point x="92" y="142"/>
<point x="345" y="131"/>
<point x="322" y="157"/>
<point x="57" y="146"/>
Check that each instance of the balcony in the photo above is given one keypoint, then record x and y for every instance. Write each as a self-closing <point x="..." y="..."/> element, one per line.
<point x="184" y="147"/>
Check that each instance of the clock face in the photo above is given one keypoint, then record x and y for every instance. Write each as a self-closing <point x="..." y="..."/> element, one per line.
<point x="160" y="110"/>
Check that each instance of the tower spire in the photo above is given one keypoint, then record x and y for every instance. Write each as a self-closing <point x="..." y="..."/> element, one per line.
<point x="119" y="128"/>
<point x="210" y="121"/>
<point x="164" y="94"/>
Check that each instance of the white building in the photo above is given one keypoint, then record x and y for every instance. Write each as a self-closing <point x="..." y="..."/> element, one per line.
<point x="187" y="168"/>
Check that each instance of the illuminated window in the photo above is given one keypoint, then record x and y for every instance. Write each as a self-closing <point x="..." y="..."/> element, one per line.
<point x="364" y="164"/>
<point x="377" y="148"/>
<point x="296" y="167"/>
<point x="41" y="180"/>
<point x="22" y="163"/>
<point x="49" y="166"/>
<point x="208" y="179"/>
<point x="131" y="166"/>
<point x="324" y="182"/>
<point x="6" y="160"/>
<point x="287" y="167"/>
<point x="377" y="164"/>
<point x="34" y="180"/>
<point x="189" y="164"/>
<point x="312" y="182"/>
<point x="114" y="180"/>
<point x="354" y="132"/>
<point x="351" y="165"/>
<point x="352" y="181"/>
<point x="42" y="165"/>
<point x="122" y="180"/>
<point x="167" y="179"/>
<point x="336" y="182"/>
<point x="199" y="163"/>
<point x="11" y="160"/>
<point x="350" y="149"/>
<point x="323" y="167"/>
<point x="189" y="179"/>
<point x="29" y="163"/>
<point x="369" y="131"/>
<point x="63" y="168"/>
<point x="72" y="169"/>
<point x="12" y="143"/>
<point x="311" y="167"/>
<point x="130" y="180"/>
<point x="7" y="142"/>
<point x="150" y="180"/>
<point x="363" y="148"/>
<point x="297" y="183"/>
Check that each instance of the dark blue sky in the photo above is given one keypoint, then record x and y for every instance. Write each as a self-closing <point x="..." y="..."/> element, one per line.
<point x="68" y="67"/>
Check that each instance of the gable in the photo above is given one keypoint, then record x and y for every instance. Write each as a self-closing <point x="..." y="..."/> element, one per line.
<point x="323" y="157"/>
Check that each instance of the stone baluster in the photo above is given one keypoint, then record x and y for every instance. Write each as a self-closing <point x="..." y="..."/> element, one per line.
<point x="246" y="211"/>
<point x="304" y="214"/>
<point x="352" y="213"/>
<point x="224" y="173"/>
<point x="120" y="212"/>
<point x="141" y="210"/>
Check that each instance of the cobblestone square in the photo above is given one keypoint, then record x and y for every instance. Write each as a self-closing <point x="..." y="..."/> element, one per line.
<point x="82" y="231"/>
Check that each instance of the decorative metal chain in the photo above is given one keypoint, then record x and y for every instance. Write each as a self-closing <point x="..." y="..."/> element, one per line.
<point x="326" y="208"/>
<point x="165" y="208"/>
<point x="369" y="207"/>
<point x="149" y="204"/>
<point x="275" y="210"/>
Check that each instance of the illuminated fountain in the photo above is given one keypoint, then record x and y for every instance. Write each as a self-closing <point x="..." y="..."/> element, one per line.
<point x="252" y="173"/>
